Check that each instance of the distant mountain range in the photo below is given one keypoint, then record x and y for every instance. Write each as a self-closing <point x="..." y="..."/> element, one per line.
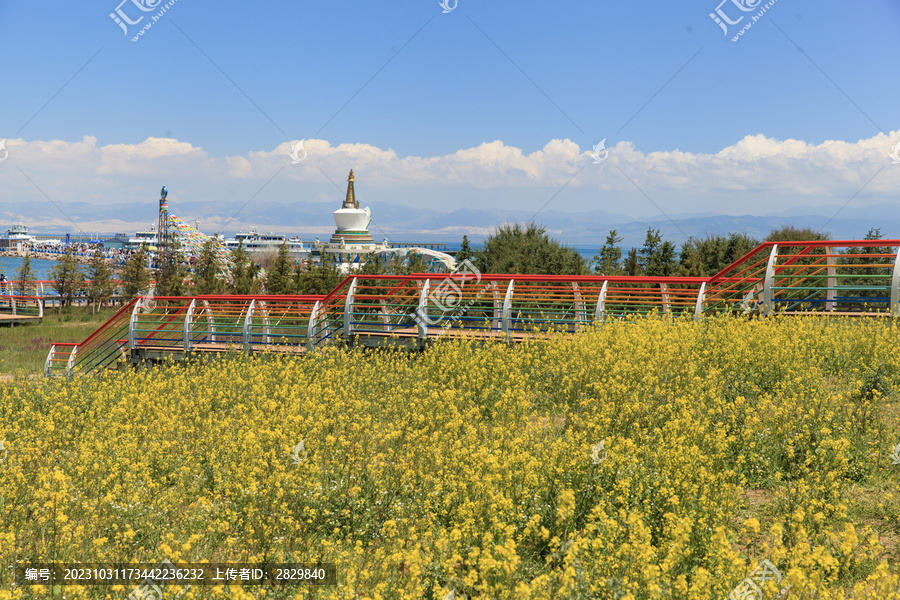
<point x="404" y="223"/>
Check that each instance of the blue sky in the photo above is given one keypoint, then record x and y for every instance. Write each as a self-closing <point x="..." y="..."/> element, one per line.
<point x="453" y="110"/>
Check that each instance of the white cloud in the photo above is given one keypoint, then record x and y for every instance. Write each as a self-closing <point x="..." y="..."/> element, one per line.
<point x="755" y="175"/>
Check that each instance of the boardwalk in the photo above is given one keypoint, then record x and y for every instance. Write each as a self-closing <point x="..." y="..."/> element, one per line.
<point x="854" y="278"/>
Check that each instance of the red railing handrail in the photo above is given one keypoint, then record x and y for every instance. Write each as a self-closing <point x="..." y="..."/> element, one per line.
<point x="814" y="244"/>
<point x="50" y="282"/>
<point x="489" y="277"/>
<point x="128" y="306"/>
<point x="258" y="297"/>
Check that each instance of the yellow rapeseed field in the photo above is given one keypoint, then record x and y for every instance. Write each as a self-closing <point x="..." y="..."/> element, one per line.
<point x="648" y="459"/>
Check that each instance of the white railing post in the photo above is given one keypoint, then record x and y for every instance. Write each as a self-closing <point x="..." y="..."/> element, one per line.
<point x="188" y="325"/>
<point x="422" y="311"/>
<point x="311" y="333"/>
<point x="600" y="311"/>
<point x="495" y="315"/>
<point x="507" y="309"/>
<point x="832" y="280"/>
<point x="769" y="282"/>
<point x="701" y="297"/>
<point x="248" y="324"/>
<point x="265" y="318"/>
<point x="41" y="308"/>
<point x="348" y="308"/>
<point x="385" y="318"/>
<point x="48" y="364"/>
<point x="895" y="287"/>
<point x="70" y="365"/>
<point x="132" y="324"/>
<point x="211" y="321"/>
<point x="663" y="290"/>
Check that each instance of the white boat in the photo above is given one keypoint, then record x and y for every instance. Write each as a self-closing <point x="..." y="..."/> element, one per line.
<point x="146" y="238"/>
<point x="19" y="233"/>
<point x="254" y="241"/>
<point x="16" y="238"/>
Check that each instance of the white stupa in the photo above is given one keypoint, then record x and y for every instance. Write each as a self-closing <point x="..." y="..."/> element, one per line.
<point x="352" y="221"/>
<point x="351" y="246"/>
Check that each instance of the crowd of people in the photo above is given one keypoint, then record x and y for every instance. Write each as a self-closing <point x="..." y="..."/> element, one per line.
<point x="82" y="251"/>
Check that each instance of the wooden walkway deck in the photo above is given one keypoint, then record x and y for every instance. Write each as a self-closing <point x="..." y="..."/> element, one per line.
<point x="7" y="319"/>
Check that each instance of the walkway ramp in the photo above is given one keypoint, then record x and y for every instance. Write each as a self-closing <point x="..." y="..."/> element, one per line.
<point x="855" y="277"/>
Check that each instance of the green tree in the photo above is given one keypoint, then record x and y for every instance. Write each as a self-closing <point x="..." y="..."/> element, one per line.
<point x="527" y="250"/>
<point x="25" y="277"/>
<point x="737" y="245"/>
<point x="649" y="249"/>
<point x="609" y="260"/>
<point x="704" y="257"/>
<point x="207" y="275"/>
<point x="244" y="273"/>
<point x="412" y="262"/>
<point x="790" y="233"/>
<point x="657" y="257"/>
<point x="68" y="280"/>
<point x="100" y="286"/>
<point x="632" y="264"/>
<point x="317" y="279"/>
<point x="465" y="250"/>
<point x="135" y="276"/>
<point x="665" y="262"/>
<point x="171" y="270"/>
<point x="279" y="278"/>
<point x="690" y="261"/>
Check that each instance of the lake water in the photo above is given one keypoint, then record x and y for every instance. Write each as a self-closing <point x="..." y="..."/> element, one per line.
<point x="41" y="267"/>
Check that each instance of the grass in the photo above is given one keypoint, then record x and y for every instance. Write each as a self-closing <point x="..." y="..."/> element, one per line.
<point x="469" y="470"/>
<point x="24" y="347"/>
